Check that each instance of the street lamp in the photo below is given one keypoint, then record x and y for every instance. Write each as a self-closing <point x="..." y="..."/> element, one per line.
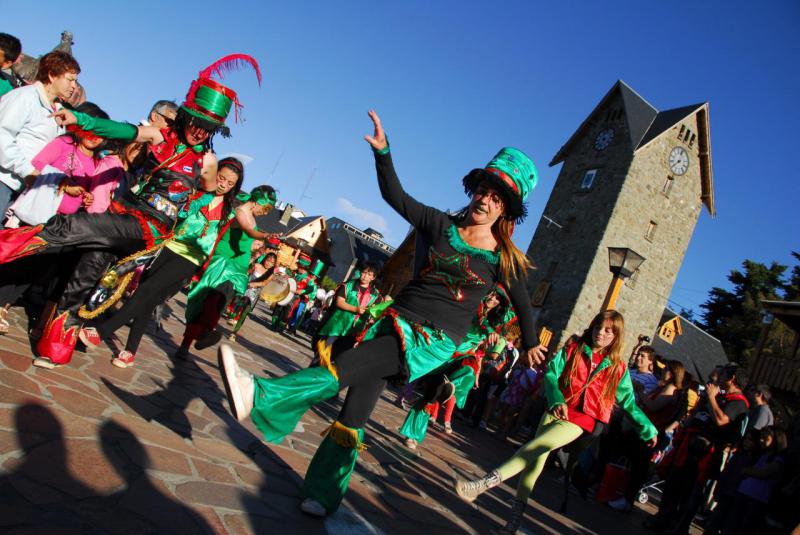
<point x="622" y="262"/>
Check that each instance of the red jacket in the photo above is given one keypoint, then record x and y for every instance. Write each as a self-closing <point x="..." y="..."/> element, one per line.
<point x="592" y="403"/>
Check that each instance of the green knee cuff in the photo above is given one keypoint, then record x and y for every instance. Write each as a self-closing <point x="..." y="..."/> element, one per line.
<point x="415" y="425"/>
<point x="329" y="473"/>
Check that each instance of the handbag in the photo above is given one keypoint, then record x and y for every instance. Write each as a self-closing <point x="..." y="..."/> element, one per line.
<point x="615" y="479"/>
<point x="40" y="202"/>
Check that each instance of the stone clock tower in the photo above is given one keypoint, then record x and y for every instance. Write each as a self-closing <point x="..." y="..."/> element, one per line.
<point x="634" y="177"/>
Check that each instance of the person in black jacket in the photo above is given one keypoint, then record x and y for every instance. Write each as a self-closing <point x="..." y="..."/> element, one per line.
<point x="467" y="254"/>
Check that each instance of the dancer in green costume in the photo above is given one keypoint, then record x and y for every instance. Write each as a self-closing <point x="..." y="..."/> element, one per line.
<point x="485" y="337"/>
<point x="196" y="234"/>
<point x="351" y="301"/>
<point x="467" y="254"/>
<point x="226" y="272"/>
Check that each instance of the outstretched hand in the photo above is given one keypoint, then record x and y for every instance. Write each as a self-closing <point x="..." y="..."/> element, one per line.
<point x="377" y="140"/>
<point x="64" y="117"/>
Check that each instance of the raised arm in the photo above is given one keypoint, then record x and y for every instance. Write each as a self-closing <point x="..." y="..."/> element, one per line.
<point x="247" y="222"/>
<point x="419" y="215"/>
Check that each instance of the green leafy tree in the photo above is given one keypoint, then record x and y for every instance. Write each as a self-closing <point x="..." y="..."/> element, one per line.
<point x="735" y="316"/>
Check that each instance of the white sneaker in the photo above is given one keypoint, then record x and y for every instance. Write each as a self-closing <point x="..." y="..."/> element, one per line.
<point x="620" y="504"/>
<point x="44" y="362"/>
<point x="312" y="507"/>
<point x="238" y="383"/>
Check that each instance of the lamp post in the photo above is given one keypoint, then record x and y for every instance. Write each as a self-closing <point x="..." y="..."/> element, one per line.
<point x="622" y="262"/>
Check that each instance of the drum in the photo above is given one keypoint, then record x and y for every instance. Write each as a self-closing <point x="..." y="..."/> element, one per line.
<point x="279" y="289"/>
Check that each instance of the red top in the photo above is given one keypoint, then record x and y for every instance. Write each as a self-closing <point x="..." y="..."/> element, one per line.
<point x="575" y="416"/>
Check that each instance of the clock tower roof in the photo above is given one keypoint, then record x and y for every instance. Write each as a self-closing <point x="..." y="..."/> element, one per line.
<point x="645" y="124"/>
<point x="639" y="115"/>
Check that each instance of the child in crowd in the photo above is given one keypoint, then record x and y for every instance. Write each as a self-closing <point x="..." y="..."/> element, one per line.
<point x="90" y="180"/>
<point x="582" y="383"/>
<point x="522" y="383"/>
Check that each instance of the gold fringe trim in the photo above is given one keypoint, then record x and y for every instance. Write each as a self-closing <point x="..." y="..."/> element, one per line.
<point x="344" y="436"/>
<point x="122" y="285"/>
<point x="324" y="352"/>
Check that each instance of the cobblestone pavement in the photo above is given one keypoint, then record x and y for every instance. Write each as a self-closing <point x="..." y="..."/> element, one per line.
<point x="90" y="448"/>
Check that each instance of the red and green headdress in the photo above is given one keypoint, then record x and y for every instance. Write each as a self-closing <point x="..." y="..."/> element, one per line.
<point x="304" y="261"/>
<point x="513" y="174"/>
<point x="208" y="101"/>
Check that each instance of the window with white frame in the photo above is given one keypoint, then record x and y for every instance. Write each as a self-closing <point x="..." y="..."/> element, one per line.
<point x="588" y="179"/>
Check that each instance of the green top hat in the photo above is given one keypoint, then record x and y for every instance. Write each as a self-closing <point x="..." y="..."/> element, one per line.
<point x="319" y="266"/>
<point x="513" y="173"/>
<point x="209" y="100"/>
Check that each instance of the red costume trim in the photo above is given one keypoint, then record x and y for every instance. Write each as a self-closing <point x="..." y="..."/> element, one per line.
<point x="505" y="178"/>
<point x="143" y="220"/>
<point x="16" y="243"/>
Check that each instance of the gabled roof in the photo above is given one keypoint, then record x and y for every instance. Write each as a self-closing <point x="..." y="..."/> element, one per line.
<point x="645" y="123"/>
<point x="271" y="222"/>
<point x="302" y="222"/>
<point x="697" y="350"/>
<point x="638" y="113"/>
<point x="666" y="120"/>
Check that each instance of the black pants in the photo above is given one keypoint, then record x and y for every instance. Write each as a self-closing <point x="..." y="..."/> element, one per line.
<point x="364" y="370"/>
<point x="101" y="238"/>
<point x="168" y="274"/>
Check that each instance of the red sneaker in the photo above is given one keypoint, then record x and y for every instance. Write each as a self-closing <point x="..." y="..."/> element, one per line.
<point x="124" y="359"/>
<point x="89" y="336"/>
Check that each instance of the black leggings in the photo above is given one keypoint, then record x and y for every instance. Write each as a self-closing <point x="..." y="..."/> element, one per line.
<point x="168" y="274"/>
<point x="364" y="370"/>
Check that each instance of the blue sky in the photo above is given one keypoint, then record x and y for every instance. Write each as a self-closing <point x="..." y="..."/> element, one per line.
<point x="455" y="81"/>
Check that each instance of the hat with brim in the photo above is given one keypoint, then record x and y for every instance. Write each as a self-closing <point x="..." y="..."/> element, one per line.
<point x="208" y="100"/>
<point x="513" y="174"/>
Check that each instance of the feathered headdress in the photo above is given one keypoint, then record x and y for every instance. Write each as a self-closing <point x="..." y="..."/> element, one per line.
<point x="209" y="100"/>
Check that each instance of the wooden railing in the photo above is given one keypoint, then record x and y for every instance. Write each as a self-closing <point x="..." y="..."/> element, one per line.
<point x="776" y="372"/>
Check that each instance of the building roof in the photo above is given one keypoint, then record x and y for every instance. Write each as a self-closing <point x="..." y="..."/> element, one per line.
<point x="271" y="222"/>
<point x="786" y="311"/>
<point x="646" y="123"/>
<point x="697" y="350"/>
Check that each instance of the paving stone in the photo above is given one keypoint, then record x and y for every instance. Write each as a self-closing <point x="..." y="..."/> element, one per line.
<point x="18" y="381"/>
<point x="13" y="360"/>
<point x="207" y="493"/>
<point x="78" y="403"/>
<point x="213" y="520"/>
<point x="254" y="478"/>
<point x="216" y="472"/>
<point x="220" y="450"/>
<point x="151" y="497"/>
<point x="161" y="459"/>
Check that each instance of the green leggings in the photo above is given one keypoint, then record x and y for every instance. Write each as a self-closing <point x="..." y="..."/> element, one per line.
<point x="530" y="458"/>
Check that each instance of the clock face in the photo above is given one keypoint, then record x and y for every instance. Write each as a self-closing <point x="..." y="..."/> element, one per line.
<point x="678" y="160"/>
<point x="604" y="139"/>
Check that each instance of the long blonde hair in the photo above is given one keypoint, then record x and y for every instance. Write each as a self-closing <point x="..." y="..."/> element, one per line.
<point x="612" y="352"/>
<point x="513" y="262"/>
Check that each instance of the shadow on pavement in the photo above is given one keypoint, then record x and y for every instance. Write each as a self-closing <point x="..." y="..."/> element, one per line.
<point x="42" y="495"/>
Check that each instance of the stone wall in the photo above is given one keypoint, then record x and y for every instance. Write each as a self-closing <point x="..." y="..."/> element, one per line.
<point x="616" y="211"/>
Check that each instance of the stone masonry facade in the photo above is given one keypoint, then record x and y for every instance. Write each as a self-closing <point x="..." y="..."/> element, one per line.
<point x="627" y="194"/>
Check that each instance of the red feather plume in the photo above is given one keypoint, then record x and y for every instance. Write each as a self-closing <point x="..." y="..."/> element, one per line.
<point x="230" y="63"/>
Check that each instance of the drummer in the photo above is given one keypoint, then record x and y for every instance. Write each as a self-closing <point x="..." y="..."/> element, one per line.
<point x="349" y="304"/>
<point x="260" y="276"/>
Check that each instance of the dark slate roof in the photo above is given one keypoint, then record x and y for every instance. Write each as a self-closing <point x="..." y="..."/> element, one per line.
<point x="366" y="252"/>
<point x="638" y="112"/>
<point x="697" y="350"/>
<point x="666" y="120"/>
<point x="271" y="222"/>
